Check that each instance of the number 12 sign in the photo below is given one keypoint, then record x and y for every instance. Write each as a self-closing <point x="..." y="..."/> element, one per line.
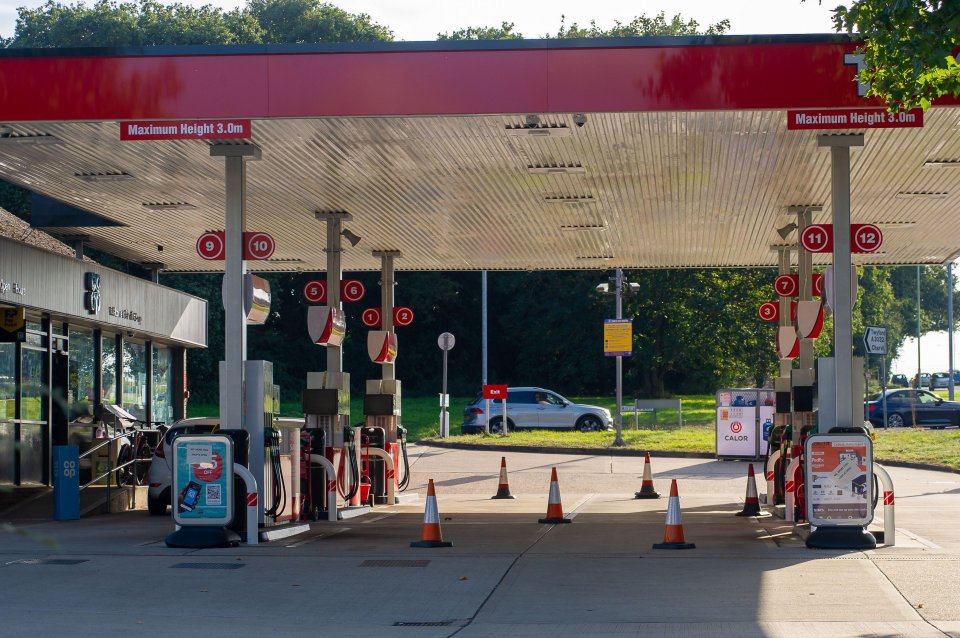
<point x="864" y="238"/>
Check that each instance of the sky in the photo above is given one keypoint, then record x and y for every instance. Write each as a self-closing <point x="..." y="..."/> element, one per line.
<point x="413" y="20"/>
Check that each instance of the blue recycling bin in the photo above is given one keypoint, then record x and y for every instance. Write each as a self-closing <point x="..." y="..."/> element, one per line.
<point x="66" y="483"/>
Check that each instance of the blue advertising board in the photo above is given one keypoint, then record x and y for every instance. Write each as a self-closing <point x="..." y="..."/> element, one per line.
<point x="202" y="479"/>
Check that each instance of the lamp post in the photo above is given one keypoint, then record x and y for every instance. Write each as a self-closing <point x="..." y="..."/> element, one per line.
<point x="619" y="287"/>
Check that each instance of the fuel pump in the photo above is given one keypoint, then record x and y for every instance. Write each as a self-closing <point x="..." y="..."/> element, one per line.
<point x="326" y="408"/>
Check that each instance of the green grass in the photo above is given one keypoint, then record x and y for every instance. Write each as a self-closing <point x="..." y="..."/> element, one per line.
<point x="421" y="417"/>
<point x="916" y="445"/>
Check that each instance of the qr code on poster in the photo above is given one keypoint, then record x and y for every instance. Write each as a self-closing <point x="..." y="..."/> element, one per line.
<point x="213" y="495"/>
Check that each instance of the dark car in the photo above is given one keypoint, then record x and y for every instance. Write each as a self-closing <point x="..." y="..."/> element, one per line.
<point x="899" y="381"/>
<point x="912" y="407"/>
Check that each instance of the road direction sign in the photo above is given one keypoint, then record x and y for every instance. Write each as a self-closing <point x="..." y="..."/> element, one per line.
<point x="817" y="238"/>
<point x="875" y="340"/>
<point x="371" y="317"/>
<point x="787" y="285"/>
<point x="446" y="341"/>
<point x="315" y="291"/>
<point x="258" y="245"/>
<point x="211" y="245"/>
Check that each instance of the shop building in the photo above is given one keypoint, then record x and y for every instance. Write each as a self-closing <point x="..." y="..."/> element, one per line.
<point x="74" y="336"/>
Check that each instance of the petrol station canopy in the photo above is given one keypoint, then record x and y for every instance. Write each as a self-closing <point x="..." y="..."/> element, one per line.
<point x="553" y="154"/>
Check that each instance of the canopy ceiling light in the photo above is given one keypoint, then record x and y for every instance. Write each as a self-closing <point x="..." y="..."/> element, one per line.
<point x="922" y="194"/>
<point x="943" y="162"/>
<point x="549" y="169"/>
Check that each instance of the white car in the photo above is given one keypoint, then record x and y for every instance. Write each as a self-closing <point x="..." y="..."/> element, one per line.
<point x="531" y="407"/>
<point x="161" y="469"/>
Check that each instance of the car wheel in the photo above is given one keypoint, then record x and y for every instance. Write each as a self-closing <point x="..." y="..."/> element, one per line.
<point x="895" y="420"/>
<point x="496" y="425"/>
<point x="156" y="506"/>
<point x="589" y="424"/>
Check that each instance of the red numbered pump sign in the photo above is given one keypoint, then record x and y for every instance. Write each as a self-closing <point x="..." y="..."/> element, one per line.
<point x="352" y="290"/>
<point x="315" y="291"/>
<point x="787" y="285"/>
<point x="769" y="311"/>
<point x="212" y="246"/>
<point x="258" y="246"/>
<point x="402" y="316"/>
<point x="371" y="317"/>
<point x="816" y="279"/>
<point x="817" y="238"/>
<point x="865" y="238"/>
<point x="495" y="392"/>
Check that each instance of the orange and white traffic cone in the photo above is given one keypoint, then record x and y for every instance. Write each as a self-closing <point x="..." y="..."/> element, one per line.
<point x="503" y="491"/>
<point x="673" y="530"/>
<point x="751" y="504"/>
<point x="554" y="508"/>
<point x="430" y="535"/>
<point x="646" y="487"/>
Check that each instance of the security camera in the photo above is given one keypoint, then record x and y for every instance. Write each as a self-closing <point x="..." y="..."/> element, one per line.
<point x="603" y="288"/>
<point x="579" y="119"/>
<point x="633" y="287"/>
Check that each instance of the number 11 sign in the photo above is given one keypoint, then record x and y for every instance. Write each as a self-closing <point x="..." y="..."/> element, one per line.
<point x="864" y="238"/>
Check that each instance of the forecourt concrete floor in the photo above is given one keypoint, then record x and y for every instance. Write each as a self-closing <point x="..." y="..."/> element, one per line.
<point x="506" y="575"/>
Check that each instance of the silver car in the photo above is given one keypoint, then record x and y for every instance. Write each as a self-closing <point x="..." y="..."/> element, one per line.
<point x="529" y="408"/>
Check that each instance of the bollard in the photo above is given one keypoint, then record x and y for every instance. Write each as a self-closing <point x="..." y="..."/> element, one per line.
<point x="889" y="517"/>
<point x="769" y="475"/>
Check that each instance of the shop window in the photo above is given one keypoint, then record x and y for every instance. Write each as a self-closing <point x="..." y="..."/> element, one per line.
<point x="32" y="385"/>
<point x="162" y="384"/>
<point x="8" y="382"/>
<point x="134" y="396"/>
<point x="108" y="367"/>
<point x="82" y="367"/>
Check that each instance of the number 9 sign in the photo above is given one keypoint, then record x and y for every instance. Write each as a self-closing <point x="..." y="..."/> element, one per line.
<point x="211" y="245"/>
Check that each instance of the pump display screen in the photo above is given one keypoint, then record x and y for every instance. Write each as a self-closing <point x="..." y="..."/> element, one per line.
<point x="203" y="479"/>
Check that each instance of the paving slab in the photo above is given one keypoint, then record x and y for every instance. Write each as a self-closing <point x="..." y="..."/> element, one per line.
<point x="506" y="574"/>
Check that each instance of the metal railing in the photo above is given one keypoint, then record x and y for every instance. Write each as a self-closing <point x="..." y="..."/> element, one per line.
<point x="132" y="435"/>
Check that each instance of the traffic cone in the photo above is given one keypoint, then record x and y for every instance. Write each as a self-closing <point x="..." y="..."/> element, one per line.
<point x="503" y="491"/>
<point x="646" y="487"/>
<point x="751" y="504"/>
<point x="430" y="535"/>
<point x="673" y="530"/>
<point x="554" y="508"/>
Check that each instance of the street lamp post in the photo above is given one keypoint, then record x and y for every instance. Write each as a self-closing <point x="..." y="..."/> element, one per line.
<point x="619" y="288"/>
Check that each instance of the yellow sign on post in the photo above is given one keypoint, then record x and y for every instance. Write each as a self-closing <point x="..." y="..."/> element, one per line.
<point x="617" y="337"/>
<point x="13" y="325"/>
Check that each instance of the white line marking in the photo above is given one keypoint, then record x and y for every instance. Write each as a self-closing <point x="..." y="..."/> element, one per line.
<point x="319" y="537"/>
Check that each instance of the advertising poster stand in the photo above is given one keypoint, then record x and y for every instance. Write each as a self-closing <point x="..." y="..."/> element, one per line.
<point x="838" y="486"/>
<point x="744" y="418"/>
<point x="201" y="497"/>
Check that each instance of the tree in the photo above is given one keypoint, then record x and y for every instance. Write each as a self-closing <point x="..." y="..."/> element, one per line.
<point x="908" y="48"/>
<point x="644" y="25"/>
<point x="641" y="25"/>
<point x="310" y="21"/>
<point x="503" y="32"/>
